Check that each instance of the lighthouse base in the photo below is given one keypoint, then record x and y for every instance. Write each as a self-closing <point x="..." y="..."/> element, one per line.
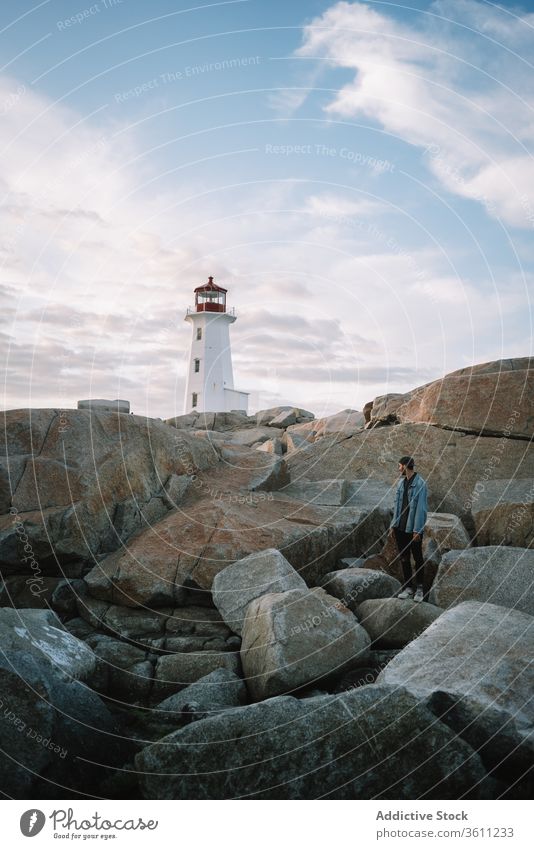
<point x="235" y="400"/>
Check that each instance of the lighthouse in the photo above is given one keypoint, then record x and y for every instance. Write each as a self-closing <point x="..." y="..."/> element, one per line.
<point x="210" y="379"/>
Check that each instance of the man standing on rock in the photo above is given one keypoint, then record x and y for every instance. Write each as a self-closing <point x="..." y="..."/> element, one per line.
<point x="407" y="526"/>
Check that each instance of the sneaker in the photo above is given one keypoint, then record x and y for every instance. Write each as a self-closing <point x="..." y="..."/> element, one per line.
<point x="419" y="594"/>
<point x="407" y="593"/>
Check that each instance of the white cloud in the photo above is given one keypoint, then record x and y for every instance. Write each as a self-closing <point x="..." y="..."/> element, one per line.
<point x="88" y="262"/>
<point x="456" y="91"/>
<point x="99" y="264"/>
<point x="342" y="207"/>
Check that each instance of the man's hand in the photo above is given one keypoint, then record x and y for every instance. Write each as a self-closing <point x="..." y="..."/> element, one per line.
<point x="416" y="536"/>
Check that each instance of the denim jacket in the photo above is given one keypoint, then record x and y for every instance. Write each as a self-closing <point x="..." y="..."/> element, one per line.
<point x="417" y="505"/>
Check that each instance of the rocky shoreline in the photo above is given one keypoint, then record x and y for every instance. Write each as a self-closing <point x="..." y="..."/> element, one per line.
<point x="204" y="607"/>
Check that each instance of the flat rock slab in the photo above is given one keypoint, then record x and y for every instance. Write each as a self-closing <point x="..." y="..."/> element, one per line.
<point x="218" y="523"/>
<point x="352" y="586"/>
<point x="503" y="512"/>
<point x="370" y="492"/>
<point x="395" y="622"/>
<point x="373" y="742"/>
<point x="245" y="580"/>
<point x="298" y="637"/>
<point x="375" y="453"/>
<point x="492" y="573"/>
<point x="479" y="655"/>
<point x="338" y="492"/>
<point x="330" y="493"/>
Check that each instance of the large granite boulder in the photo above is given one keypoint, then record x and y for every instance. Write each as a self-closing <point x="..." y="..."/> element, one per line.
<point x="297" y="637"/>
<point x="217" y="691"/>
<point x="446" y="531"/>
<point x="245" y="580"/>
<point x="57" y="738"/>
<point x="78" y="482"/>
<point x="355" y="585"/>
<point x="494" y="573"/>
<point x="443" y="531"/>
<point x="174" y="672"/>
<point x="495" y="398"/>
<point x="39" y="633"/>
<point x="503" y="512"/>
<point x="384" y="407"/>
<point x="330" y="493"/>
<point x="249" y="436"/>
<point x="273" y="475"/>
<point x="271" y="446"/>
<point x="473" y="666"/>
<point x="164" y="565"/>
<point x="292" y="441"/>
<point x="357" y="745"/>
<point x="394" y="622"/>
<point x="284" y="419"/>
<point x="210" y="695"/>
<point x="219" y="422"/>
<point x="342" y="424"/>
<point x="386" y="560"/>
<point x="283" y="414"/>
<point x="451" y="462"/>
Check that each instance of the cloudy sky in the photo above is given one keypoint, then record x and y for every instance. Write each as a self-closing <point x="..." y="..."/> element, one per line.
<point x="359" y="175"/>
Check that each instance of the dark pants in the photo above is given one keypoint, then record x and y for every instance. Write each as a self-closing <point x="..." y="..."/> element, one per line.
<point x="408" y="547"/>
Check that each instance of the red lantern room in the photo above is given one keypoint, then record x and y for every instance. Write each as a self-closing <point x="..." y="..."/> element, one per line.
<point x="210" y="297"/>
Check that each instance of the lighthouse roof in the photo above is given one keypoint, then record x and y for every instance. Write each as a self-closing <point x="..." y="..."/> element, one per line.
<point x="210" y="286"/>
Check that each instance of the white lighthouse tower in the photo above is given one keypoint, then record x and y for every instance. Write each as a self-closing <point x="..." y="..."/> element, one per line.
<point x="210" y="380"/>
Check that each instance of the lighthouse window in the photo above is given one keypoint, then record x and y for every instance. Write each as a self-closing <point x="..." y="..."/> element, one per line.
<point x="194" y="399"/>
<point x="197" y="365"/>
<point x="199" y="333"/>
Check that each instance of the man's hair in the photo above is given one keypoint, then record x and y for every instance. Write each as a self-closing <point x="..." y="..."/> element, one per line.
<point x="407" y="461"/>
